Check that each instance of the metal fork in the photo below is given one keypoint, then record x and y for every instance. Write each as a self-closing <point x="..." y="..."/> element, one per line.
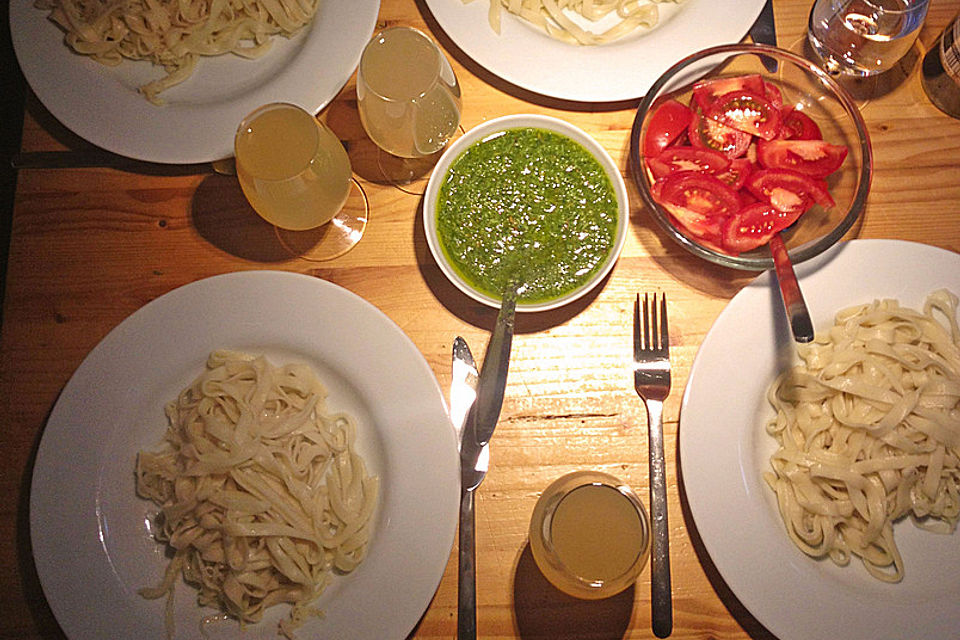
<point x="651" y="378"/>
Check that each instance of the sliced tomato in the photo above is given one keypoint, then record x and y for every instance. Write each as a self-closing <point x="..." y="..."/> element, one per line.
<point x="700" y="192"/>
<point x="814" y="158"/>
<point x="788" y="190"/>
<point x="754" y="225"/>
<point x="708" y="133"/>
<point x="796" y="125"/>
<point x="748" y="112"/>
<point x="666" y="125"/>
<point x="772" y="93"/>
<point x="706" y="91"/>
<point x="673" y="159"/>
<point x="699" y="225"/>
<point x="737" y="173"/>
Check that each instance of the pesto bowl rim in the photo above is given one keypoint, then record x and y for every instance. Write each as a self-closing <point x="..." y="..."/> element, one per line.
<point x="517" y="121"/>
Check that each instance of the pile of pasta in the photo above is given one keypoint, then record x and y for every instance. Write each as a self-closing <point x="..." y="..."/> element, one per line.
<point x="262" y="495"/>
<point x="554" y="17"/>
<point x="174" y="34"/>
<point x="868" y="427"/>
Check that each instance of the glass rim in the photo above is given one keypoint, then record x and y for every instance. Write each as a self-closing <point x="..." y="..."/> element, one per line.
<point x="917" y="6"/>
<point x="273" y="106"/>
<point x="437" y="75"/>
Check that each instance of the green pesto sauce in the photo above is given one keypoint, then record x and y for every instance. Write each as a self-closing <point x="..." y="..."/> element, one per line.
<point x="531" y="198"/>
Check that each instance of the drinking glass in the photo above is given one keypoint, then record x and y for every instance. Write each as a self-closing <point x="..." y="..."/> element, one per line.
<point x="407" y="93"/>
<point x="861" y="38"/>
<point x="296" y="174"/>
<point x="590" y="535"/>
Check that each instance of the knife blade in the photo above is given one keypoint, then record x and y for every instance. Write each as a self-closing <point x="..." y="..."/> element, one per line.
<point x="463" y="393"/>
<point x="764" y="31"/>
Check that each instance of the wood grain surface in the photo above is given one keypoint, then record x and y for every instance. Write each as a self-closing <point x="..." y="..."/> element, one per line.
<point x="90" y="246"/>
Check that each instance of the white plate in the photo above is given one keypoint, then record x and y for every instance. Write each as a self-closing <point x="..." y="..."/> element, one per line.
<point x="90" y="541"/>
<point x="724" y="450"/>
<point x="101" y="104"/>
<point x="617" y="71"/>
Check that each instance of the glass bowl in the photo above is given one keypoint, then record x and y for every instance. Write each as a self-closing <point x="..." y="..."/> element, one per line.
<point x="805" y="87"/>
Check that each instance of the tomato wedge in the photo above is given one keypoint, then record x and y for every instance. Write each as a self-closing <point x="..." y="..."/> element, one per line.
<point x="699" y="225"/>
<point x="796" y="125"/>
<point x="706" y="91"/>
<point x="754" y="225"/>
<point x="814" y="158"/>
<point x="788" y="190"/>
<point x="748" y="112"/>
<point x="699" y="192"/>
<point x="708" y="133"/>
<point x="673" y="159"/>
<point x="737" y="173"/>
<point x="667" y="124"/>
<point x="772" y="93"/>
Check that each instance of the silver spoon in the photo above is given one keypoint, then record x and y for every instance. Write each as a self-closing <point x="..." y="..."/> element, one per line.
<point x="793" y="301"/>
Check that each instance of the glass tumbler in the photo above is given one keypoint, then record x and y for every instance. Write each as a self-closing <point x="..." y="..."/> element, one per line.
<point x="861" y="38"/>
<point x="407" y="93"/>
<point x="590" y="535"/>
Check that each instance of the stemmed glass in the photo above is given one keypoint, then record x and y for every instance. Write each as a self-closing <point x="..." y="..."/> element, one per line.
<point x="296" y="174"/>
<point x="409" y="100"/>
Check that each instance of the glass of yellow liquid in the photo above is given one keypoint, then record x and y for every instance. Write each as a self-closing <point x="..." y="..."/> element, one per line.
<point x="407" y="93"/>
<point x="590" y="535"/>
<point x="296" y="174"/>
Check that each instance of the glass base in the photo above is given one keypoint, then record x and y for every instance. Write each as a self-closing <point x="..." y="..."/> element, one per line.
<point x="335" y="238"/>
<point x="410" y="175"/>
<point x="863" y="88"/>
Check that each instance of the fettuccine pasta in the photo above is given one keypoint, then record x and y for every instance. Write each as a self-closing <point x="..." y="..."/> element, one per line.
<point x="868" y="428"/>
<point x="175" y="33"/>
<point x="262" y="495"/>
<point x="557" y="17"/>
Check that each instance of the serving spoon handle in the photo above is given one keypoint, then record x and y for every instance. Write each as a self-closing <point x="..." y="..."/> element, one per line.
<point x="793" y="302"/>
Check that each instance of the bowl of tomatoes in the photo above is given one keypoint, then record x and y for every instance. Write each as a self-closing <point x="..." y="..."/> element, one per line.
<point x="726" y="154"/>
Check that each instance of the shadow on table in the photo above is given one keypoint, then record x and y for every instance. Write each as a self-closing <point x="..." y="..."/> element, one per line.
<point x="44" y="622"/>
<point x="542" y="611"/>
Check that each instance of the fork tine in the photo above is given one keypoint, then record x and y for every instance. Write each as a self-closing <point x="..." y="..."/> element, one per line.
<point x="637" y="336"/>
<point x="664" y="334"/>
<point x="647" y="344"/>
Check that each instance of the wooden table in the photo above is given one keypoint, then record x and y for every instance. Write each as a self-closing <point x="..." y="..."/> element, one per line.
<point x="90" y="246"/>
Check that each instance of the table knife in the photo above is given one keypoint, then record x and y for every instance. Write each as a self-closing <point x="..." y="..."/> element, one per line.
<point x="463" y="393"/>
<point x="764" y="31"/>
<point x="475" y="437"/>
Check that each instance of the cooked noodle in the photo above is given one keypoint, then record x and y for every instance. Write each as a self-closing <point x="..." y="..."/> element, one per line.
<point x="562" y="19"/>
<point x="262" y="494"/>
<point x="868" y="428"/>
<point x="174" y="33"/>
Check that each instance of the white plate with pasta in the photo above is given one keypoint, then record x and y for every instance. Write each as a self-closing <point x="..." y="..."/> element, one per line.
<point x="197" y="123"/>
<point x="92" y="535"/>
<point x="724" y="451"/>
<point x="617" y="70"/>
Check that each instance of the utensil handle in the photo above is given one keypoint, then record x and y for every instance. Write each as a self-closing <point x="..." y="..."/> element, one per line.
<point x="661" y="602"/>
<point x="466" y="574"/>
<point x="793" y="302"/>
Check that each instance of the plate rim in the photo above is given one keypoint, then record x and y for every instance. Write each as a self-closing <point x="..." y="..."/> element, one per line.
<point x="48" y="518"/>
<point x="191" y="132"/>
<point x="599" y="81"/>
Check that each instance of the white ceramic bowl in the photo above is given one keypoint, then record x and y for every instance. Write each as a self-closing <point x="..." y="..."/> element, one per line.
<point x="515" y="122"/>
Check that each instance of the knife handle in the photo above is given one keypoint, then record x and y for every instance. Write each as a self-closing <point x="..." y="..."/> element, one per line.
<point x="466" y="574"/>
